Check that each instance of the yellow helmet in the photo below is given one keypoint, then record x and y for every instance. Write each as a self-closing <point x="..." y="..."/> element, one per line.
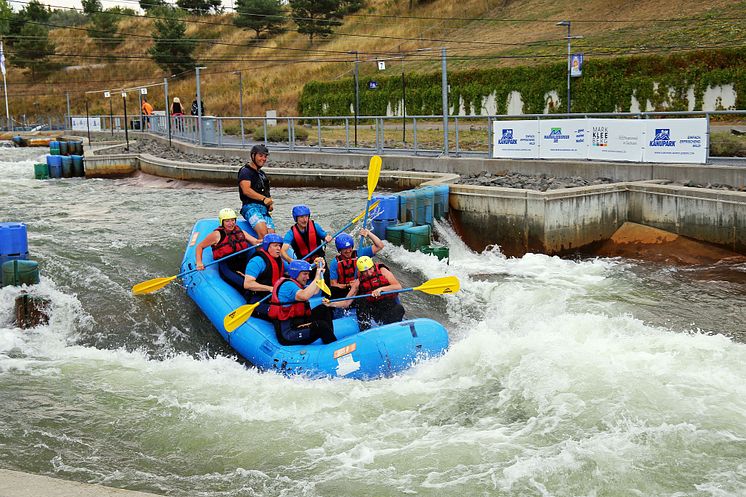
<point x="226" y="214"/>
<point x="364" y="263"/>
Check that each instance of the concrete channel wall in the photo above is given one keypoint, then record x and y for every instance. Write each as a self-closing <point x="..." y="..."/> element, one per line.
<point x="520" y="221"/>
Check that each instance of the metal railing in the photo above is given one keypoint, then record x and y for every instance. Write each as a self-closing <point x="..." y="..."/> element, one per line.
<point x="468" y="135"/>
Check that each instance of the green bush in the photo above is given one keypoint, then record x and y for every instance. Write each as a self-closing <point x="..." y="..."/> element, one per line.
<point x="727" y="145"/>
<point x="280" y="133"/>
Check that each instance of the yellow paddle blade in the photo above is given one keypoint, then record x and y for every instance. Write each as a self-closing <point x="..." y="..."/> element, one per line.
<point x="238" y="316"/>
<point x="151" y="285"/>
<point x="374" y="171"/>
<point x="438" y="286"/>
<point x="323" y="286"/>
<point x="362" y="214"/>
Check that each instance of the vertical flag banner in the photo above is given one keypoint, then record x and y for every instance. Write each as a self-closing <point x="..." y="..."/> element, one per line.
<point x="576" y="65"/>
<point x="2" y="58"/>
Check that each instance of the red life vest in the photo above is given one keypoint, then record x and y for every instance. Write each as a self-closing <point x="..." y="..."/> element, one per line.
<point x="304" y="244"/>
<point x="229" y="242"/>
<point x="289" y="311"/>
<point x="346" y="268"/>
<point x="371" y="280"/>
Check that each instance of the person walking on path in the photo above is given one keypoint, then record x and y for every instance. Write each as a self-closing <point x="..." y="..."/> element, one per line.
<point x="147" y="111"/>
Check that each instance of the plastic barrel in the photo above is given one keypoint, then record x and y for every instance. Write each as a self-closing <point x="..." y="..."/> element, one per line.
<point x="41" y="171"/>
<point x="395" y="233"/>
<point x="63" y="148"/>
<point x="407" y="205"/>
<point x="440" y="207"/>
<point x="438" y="251"/>
<point x="77" y="165"/>
<point x="389" y="206"/>
<point x="55" y="166"/>
<point x="72" y="148"/>
<point x="380" y="226"/>
<point x="79" y="148"/>
<point x="13" y="242"/>
<point x="67" y="166"/>
<point x="54" y="148"/>
<point x="20" y="272"/>
<point x="416" y="237"/>
<point x="425" y="198"/>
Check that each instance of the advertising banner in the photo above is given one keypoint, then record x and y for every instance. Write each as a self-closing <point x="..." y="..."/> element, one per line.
<point x="676" y="140"/>
<point x="515" y="139"/>
<point x="576" y="65"/>
<point x="79" y="123"/>
<point x="615" y="139"/>
<point x="562" y="139"/>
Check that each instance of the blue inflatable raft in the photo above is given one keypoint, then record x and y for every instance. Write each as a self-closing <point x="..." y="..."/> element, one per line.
<point x="374" y="353"/>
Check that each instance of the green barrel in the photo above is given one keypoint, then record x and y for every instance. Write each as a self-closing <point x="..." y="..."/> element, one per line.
<point x="77" y="165"/>
<point x="416" y="237"/>
<point x="438" y="251"/>
<point x="20" y="272"/>
<point x="63" y="148"/>
<point x="41" y="171"/>
<point x="67" y="166"/>
<point x="54" y="148"/>
<point x="395" y="233"/>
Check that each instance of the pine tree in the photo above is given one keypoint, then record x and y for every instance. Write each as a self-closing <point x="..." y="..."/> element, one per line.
<point x="171" y="50"/>
<point x="148" y="5"/>
<point x="200" y="7"/>
<point x="316" y="17"/>
<point x="260" y="15"/>
<point x="6" y="13"/>
<point x="91" y="7"/>
<point x="33" y="49"/>
<point x="104" y="30"/>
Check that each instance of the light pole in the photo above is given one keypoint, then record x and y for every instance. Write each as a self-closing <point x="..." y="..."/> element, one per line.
<point x="199" y="105"/>
<point x="240" y="104"/>
<point x="569" y="59"/>
<point x="357" y="94"/>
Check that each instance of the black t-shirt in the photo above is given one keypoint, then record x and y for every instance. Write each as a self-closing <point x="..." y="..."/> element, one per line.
<point x="259" y="183"/>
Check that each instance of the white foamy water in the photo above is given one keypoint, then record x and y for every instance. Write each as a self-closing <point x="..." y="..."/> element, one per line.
<point x="564" y="378"/>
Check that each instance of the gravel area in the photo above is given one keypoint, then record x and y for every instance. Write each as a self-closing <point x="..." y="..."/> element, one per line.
<point x="541" y="182"/>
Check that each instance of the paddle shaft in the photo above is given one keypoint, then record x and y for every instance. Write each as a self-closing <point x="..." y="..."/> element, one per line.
<point x="335" y="235"/>
<point x="390" y="292"/>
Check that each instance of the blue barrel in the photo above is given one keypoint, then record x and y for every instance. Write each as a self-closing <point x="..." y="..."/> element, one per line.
<point x="13" y="242"/>
<point x="55" y="166"/>
<point x="63" y="148"/>
<point x="77" y="165"/>
<point x="380" y="225"/>
<point x="416" y="237"/>
<point x="407" y="206"/>
<point x="395" y="233"/>
<point x="54" y="148"/>
<point x="440" y="209"/>
<point x="425" y="197"/>
<point x="389" y="206"/>
<point x="67" y="166"/>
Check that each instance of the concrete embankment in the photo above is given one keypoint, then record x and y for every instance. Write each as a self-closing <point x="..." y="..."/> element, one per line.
<point x="520" y="221"/>
<point x="17" y="484"/>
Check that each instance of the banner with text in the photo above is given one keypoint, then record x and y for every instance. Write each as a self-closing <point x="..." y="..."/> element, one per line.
<point x="516" y="139"/>
<point x="562" y="139"/>
<point x="79" y="123"/>
<point x="676" y="140"/>
<point x="615" y="139"/>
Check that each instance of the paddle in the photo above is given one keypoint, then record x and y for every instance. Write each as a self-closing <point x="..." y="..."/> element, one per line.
<point x="344" y="228"/>
<point x="151" y="286"/>
<point x="239" y="316"/>
<point x="435" y="286"/>
<point x="374" y="172"/>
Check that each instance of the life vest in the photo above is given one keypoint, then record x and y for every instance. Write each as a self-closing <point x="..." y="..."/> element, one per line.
<point x="229" y="242"/>
<point x="369" y="281"/>
<point x="287" y="311"/>
<point x="273" y="268"/>
<point x="305" y="243"/>
<point x="346" y="268"/>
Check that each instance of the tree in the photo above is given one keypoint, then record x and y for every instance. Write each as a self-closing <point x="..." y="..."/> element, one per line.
<point x="200" y="7"/>
<point x="91" y="7"/>
<point x="103" y="30"/>
<point x="6" y="13"/>
<point x="36" y="11"/>
<point x="171" y="50"/>
<point x="316" y="17"/>
<point x="260" y="15"/>
<point x="33" y="48"/>
<point x="148" y="5"/>
<point x="62" y="17"/>
<point x="351" y="6"/>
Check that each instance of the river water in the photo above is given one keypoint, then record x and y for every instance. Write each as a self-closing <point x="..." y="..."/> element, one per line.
<point x="592" y="377"/>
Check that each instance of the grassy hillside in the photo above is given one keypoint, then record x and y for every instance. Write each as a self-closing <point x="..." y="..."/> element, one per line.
<point x="477" y="34"/>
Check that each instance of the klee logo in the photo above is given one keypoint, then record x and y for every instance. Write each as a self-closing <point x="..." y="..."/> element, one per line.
<point x="507" y="138"/>
<point x="662" y="138"/>
<point x="600" y="136"/>
<point x="556" y="135"/>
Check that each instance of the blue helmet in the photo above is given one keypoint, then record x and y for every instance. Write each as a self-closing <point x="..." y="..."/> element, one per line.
<point x="300" y="210"/>
<point x="271" y="238"/>
<point x="297" y="267"/>
<point x="344" y="241"/>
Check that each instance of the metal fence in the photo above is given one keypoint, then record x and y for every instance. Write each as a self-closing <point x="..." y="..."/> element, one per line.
<point x="460" y="136"/>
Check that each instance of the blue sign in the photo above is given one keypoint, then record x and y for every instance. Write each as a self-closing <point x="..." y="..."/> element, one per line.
<point x="372" y="85"/>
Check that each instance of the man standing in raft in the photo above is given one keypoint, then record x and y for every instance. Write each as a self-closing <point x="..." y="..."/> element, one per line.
<point x="226" y="240"/>
<point x="253" y="189"/>
<point x="342" y="270"/>
<point x="265" y="268"/>
<point x="295" y="322"/>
